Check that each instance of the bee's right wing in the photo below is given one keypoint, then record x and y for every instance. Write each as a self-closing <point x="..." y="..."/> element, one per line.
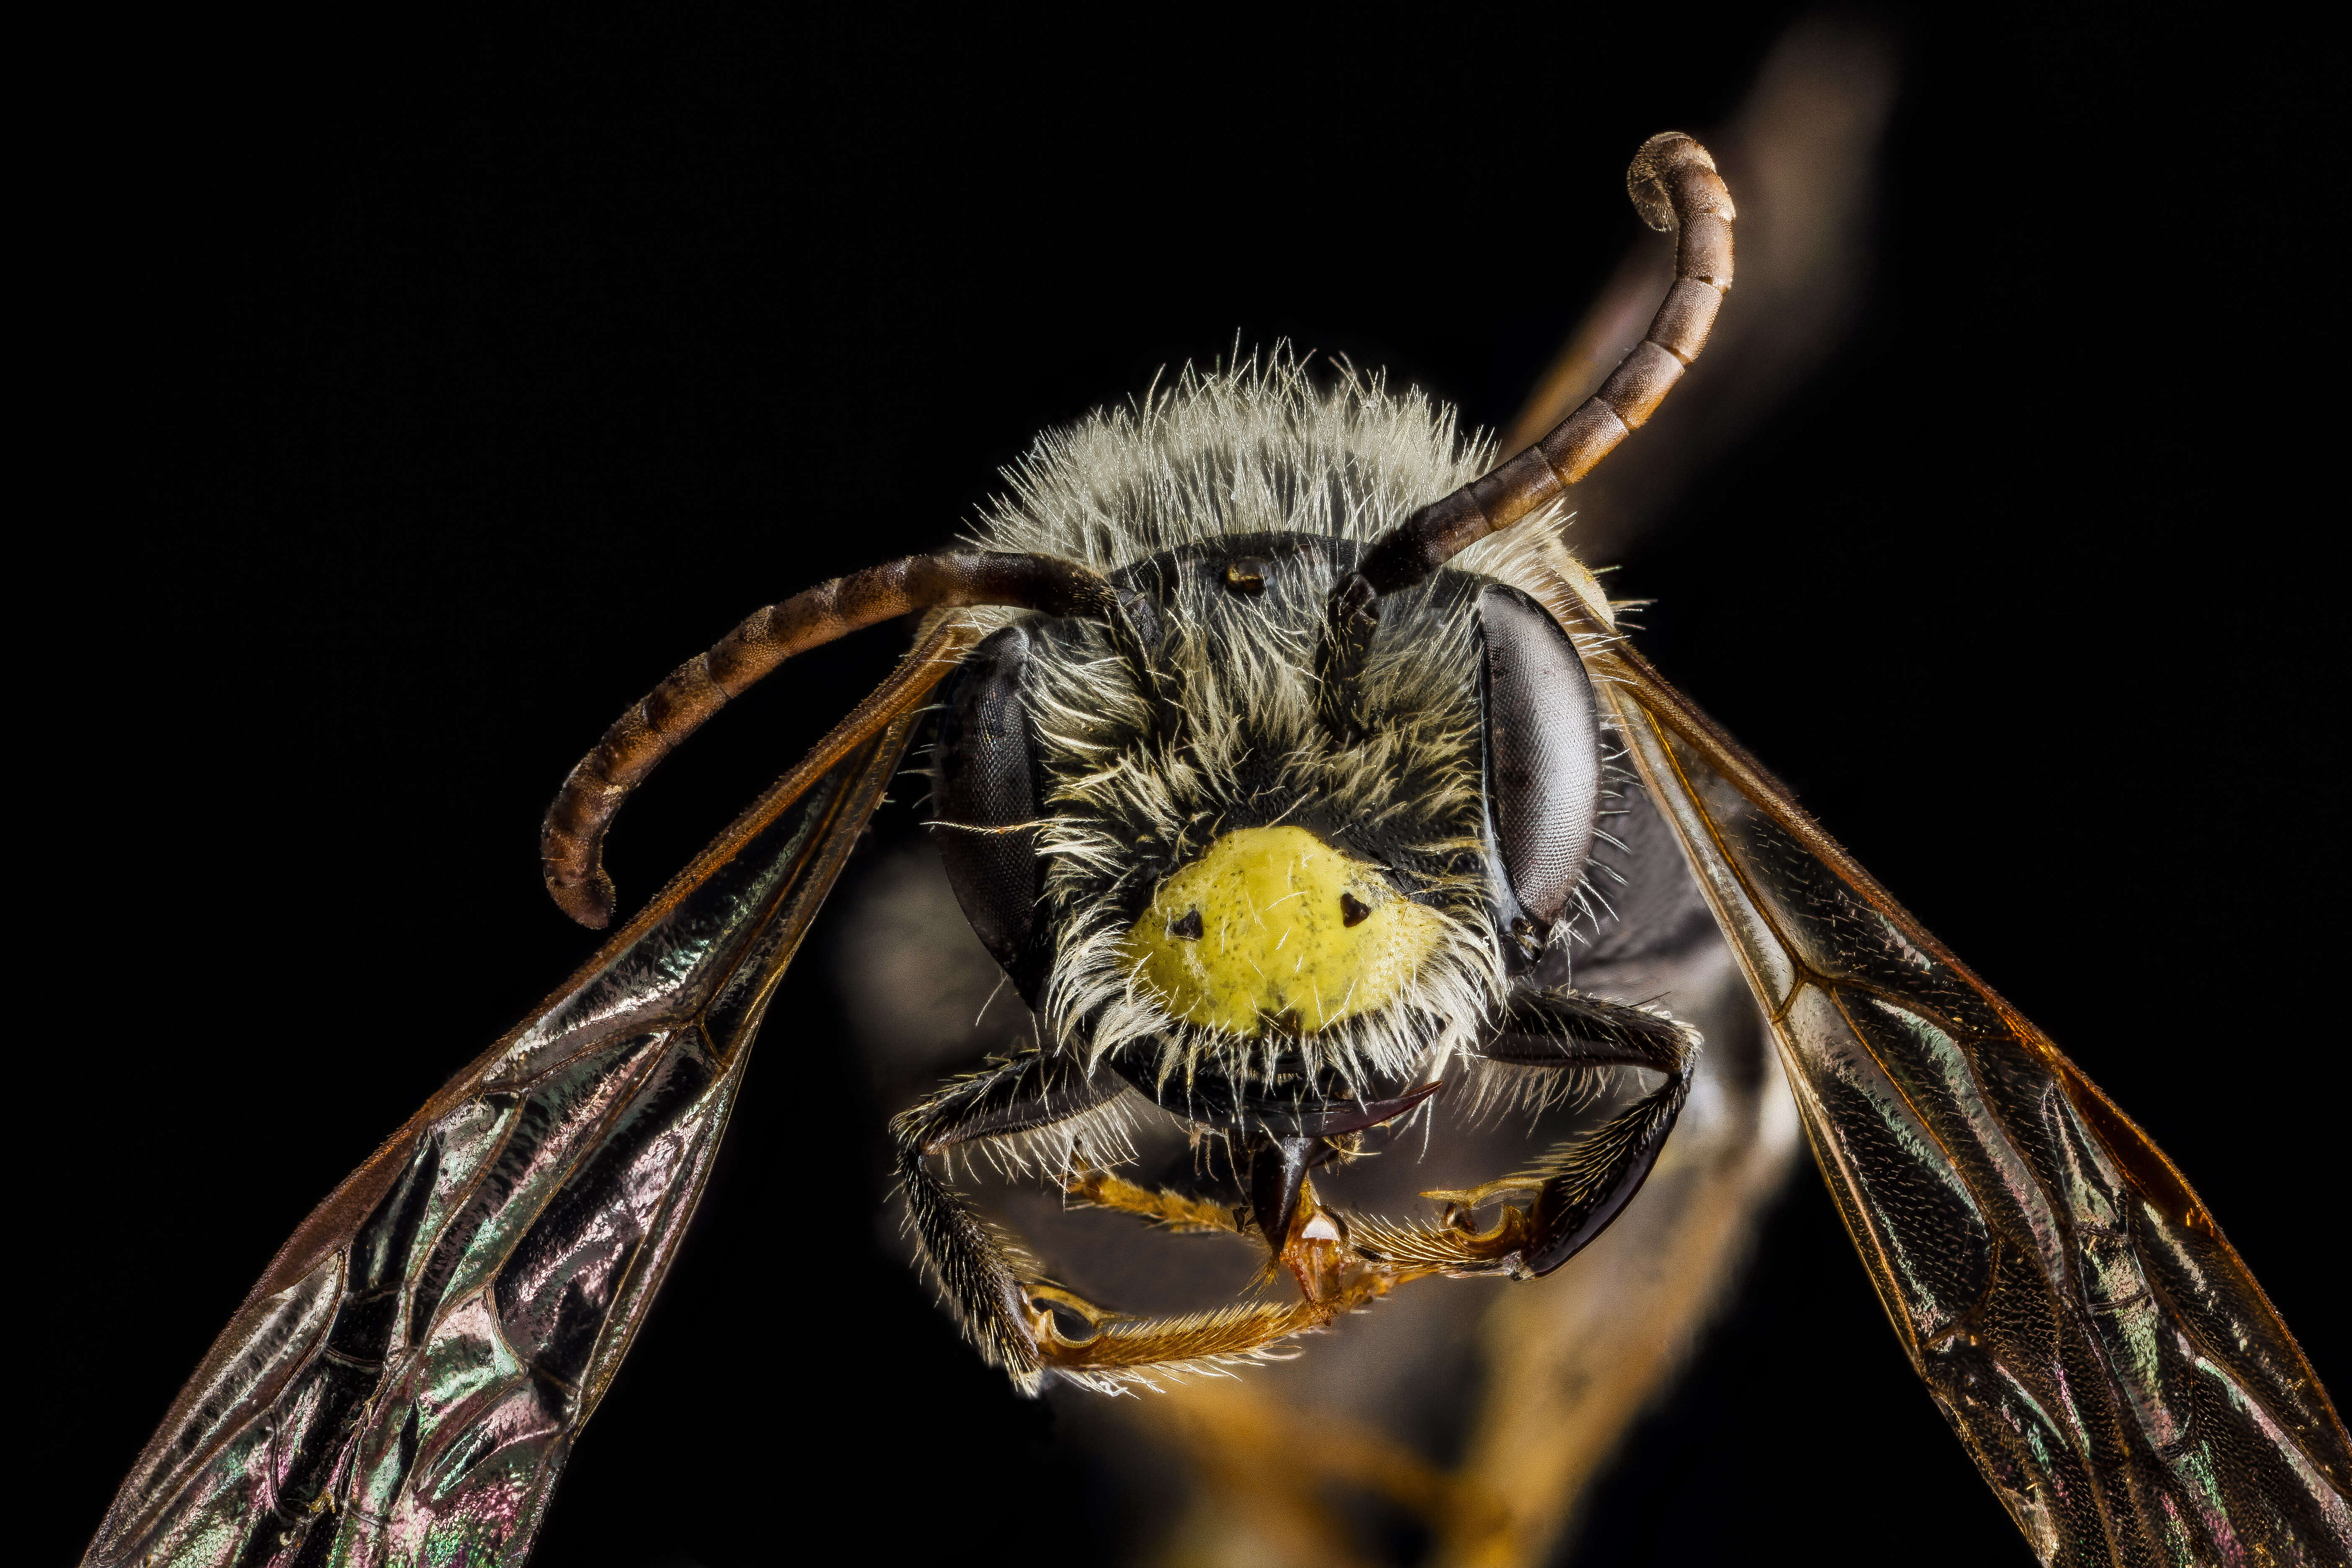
<point x="407" y="1379"/>
<point x="2113" y="1368"/>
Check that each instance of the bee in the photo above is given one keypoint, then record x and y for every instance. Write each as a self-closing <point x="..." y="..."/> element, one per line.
<point x="1265" y="675"/>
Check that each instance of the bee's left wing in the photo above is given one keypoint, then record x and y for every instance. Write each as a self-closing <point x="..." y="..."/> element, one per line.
<point x="2113" y="1368"/>
<point x="406" y="1381"/>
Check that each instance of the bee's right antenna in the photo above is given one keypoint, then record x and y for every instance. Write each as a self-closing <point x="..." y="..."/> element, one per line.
<point x="1675" y="186"/>
<point x="572" y="842"/>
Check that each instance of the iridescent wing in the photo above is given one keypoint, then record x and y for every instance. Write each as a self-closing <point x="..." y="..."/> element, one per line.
<point x="2074" y="1310"/>
<point x="406" y="1381"/>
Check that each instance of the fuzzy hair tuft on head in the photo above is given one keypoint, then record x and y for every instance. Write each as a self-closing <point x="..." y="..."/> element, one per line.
<point x="1256" y="446"/>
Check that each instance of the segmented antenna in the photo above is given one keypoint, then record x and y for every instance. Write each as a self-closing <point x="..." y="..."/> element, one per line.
<point x="571" y="841"/>
<point x="1675" y="186"/>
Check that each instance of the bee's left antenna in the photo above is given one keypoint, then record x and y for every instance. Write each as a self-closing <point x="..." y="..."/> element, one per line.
<point x="571" y="841"/>
<point x="1675" y="186"/>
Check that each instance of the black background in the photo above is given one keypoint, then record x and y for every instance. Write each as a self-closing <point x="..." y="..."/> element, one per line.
<point x="429" y="390"/>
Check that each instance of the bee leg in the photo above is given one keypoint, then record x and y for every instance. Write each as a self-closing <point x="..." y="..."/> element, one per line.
<point x="1181" y="1213"/>
<point x="1334" y="1279"/>
<point x="996" y="1290"/>
<point x="1006" y="1307"/>
<point x="1279" y="1207"/>
<point x="1269" y="1167"/>
<point x="1589" y="1182"/>
<point x="1583" y="1184"/>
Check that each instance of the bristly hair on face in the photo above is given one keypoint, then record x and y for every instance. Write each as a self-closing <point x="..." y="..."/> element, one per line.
<point x="1310" y="474"/>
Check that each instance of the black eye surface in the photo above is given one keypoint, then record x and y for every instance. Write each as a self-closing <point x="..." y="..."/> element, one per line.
<point x="1543" y="751"/>
<point x="986" y="786"/>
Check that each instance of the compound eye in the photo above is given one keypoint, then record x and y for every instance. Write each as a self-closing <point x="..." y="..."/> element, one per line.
<point x="1543" y="751"/>
<point x="984" y="791"/>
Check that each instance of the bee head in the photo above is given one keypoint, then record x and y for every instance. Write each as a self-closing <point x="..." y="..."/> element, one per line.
<point x="1192" y="854"/>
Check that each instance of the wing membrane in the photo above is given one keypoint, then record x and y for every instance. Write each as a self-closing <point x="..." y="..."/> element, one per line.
<point x="405" y="1382"/>
<point x="2104" y="1353"/>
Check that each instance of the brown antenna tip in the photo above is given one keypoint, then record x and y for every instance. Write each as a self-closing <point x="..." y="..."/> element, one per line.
<point x="1656" y="166"/>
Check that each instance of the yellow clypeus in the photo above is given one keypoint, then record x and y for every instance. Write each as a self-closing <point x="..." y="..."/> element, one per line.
<point x="1275" y="924"/>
